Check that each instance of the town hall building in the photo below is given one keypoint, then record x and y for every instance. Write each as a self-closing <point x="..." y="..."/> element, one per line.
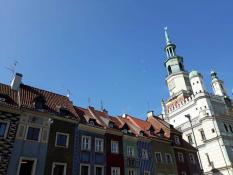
<point x="205" y="118"/>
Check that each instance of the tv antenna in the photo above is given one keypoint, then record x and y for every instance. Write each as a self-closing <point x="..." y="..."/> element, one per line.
<point x="89" y="101"/>
<point x="101" y="105"/>
<point x="12" y="68"/>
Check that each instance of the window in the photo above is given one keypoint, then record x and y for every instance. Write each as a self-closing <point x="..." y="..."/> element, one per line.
<point x="192" y="158"/>
<point x="99" y="170"/>
<point x="131" y="172"/>
<point x="190" y="139"/>
<point x="180" y="157"/>
<point x="168" y="158"/>
<point x="92" y="123"/>
<point x="125" y="131"/>
<point x="59" y="168"/>
<point x="27" y="166"/>
<point x="144" y="154"/>
<point x="33" y="134"/>
<point x="99" y="145"/>
<point x="130" y="151"/>
<point x="158" y="157"/>
<point x="3" y="128"/>
<point x="115" y="171"/>
<point x="111" y="124"/>
<point x="84" y="169"/>
<point x="177" y="140"/>
<point x="86" y="143"/>
<point x="114" y="147"/>
<point x="230" y="128"/>
<point x="226" y="128"/>
<point x="62" y="140"/>
<point x="39" y="103"/>
<point x="202" y="135"/>
<point x="183" y="173"/>
<point x="208" y="158"/>
<point x="146" y="172"/>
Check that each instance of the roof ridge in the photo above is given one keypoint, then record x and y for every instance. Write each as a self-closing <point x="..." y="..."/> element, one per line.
<point x="48" y="91"/>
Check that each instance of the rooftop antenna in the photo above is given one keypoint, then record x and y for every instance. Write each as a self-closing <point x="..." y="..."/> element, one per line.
<point x="148" y="106"/>
<point x="101" y="105"/>
<point x="12" y="68"/>
<point x="68" y="93"/>
<point x="89" y="101"/>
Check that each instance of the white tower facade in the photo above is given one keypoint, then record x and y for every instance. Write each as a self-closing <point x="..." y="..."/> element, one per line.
<point x="177" y="78"/>
<point x="217" y="85"/>
<point x="209" y="125"/>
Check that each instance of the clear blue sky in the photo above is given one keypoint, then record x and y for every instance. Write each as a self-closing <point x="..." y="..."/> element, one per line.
<point x="112" y="50"/>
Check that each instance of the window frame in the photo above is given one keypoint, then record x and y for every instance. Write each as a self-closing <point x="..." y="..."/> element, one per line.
<point x="98" y="166"/>
<point x="59" y="163"/>
<point x="170" y="156"/>
<point x="117" y="168"/>
<point x="148" y="173"/>
<point x="203" y="137"/>
<point x="117" y="151"/>
<point x="133" y="153"/>
<point x="6" y="129"/>
<point x="67" y="140"/>
<point x="182" y="155"/>
<point x="27" y="158"/>
<point x="89" y="143"/>
<point x="177" y="140"/>
<point x="102" y="145"/>
<point x="190" y="138"/>
<point x="39" y="136"/>
<point x="160" y="157"/>
<point x="192" y="158"/>
<point x="147" y="156"/>
<point x="83" y="164"/>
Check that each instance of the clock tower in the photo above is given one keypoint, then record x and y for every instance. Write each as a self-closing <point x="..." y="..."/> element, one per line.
<point x="177" y="77"/>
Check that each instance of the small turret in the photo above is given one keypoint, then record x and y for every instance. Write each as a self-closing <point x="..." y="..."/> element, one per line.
<point x="196" y="80"/>
<point x="217" y="85"/>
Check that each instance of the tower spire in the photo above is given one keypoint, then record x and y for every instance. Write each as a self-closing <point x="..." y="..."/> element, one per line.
<point x="167" y="36"/>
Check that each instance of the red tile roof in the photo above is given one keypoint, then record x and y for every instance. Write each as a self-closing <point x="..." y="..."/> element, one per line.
<point x="27" y="95"/>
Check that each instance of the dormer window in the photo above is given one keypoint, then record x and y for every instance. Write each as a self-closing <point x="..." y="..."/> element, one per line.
<point x="125" y="131"/>
<point x="151" y="130"/>
<point x="177" y="140"/>
<point x="141" y="133"/>
<point x="161" y="133"/>
<point x="39" y="103"/>
<point x="111" y="124"/>
<point x="64" y="111"/>
<point x="92" y="122"/>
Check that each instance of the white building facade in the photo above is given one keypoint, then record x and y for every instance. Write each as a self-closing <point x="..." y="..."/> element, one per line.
<point x="205" y="119"/>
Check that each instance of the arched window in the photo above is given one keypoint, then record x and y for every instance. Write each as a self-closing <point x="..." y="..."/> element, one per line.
<point x="169" y="70"/>
<point x="181" y="66"/>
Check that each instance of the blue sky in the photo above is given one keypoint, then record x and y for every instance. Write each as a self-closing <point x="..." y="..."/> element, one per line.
<point x="112" y="50"/>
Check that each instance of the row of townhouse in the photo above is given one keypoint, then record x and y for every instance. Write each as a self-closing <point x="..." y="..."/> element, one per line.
<point x="42" y="132"/>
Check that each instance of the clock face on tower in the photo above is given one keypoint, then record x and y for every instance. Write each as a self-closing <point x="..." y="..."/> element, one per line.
<point x="171" y="85"/>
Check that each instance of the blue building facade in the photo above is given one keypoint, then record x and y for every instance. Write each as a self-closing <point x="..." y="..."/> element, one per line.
<point x="89" y="154"/>
<point x="146" y="158"/>
<point x="30" y="147"/>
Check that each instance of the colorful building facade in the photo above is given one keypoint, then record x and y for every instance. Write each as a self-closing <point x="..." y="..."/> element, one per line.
<point x="42" y="132"/>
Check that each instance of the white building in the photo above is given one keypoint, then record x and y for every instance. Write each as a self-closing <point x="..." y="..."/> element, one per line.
<point x="210" y="127"/>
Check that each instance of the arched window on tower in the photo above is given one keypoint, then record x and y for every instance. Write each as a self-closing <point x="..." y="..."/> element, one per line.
<point x="169" y="70"/>
<point x="181" y="66"/>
